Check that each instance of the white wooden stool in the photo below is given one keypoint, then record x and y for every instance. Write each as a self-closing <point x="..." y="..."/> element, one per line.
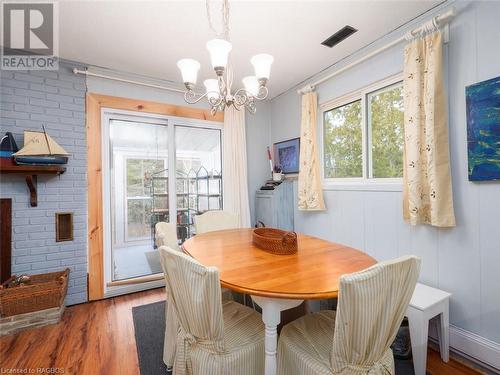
<point x="425" y="304"/>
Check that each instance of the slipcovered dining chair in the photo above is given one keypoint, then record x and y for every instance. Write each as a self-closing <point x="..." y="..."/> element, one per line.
<point x="166" y="235"/>
<point x="215" y="220"/>
<point x="356" y="339"/>
<point x="213" y="339"/>
<point x="211" y="221"/>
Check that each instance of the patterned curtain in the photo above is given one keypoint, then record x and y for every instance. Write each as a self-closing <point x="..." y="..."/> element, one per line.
<point x="310" y="191"/>
<point x="427" y="192"/>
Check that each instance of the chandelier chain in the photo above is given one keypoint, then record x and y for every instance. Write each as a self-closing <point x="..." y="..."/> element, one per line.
<point x="224" y="33"/>
<point x="222" y="97"/>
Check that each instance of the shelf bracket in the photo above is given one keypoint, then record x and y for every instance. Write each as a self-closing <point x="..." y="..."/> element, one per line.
<point x="31" y="182"/>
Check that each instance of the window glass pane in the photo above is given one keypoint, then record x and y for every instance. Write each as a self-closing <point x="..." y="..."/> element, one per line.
<point x="343" y="141"/>
<point x="138" y="153"/>
<point x="138" y="218"/>
<point x="385" y="113"/>
<point x="139" y="195"/>
<point x="139" y="172"/>
<point x="199" y="177"/>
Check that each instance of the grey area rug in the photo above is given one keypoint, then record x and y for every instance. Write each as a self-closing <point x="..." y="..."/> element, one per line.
<point x="149" y="324"/>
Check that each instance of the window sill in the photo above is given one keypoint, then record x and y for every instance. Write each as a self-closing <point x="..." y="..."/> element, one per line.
<point x="396" y="186"/>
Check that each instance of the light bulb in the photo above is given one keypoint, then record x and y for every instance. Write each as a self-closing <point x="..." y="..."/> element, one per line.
<point x="262" y="65"/>
<point x="251" y="85"/>
<point x="212" y="86"/>
<point x="189" y="70"/>
<point x="219" y="52"/>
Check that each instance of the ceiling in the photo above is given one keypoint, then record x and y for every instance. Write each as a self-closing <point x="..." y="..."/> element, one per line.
<point x="148" y="37"/>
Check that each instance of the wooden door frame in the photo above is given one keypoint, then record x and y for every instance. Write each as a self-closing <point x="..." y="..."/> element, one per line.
<point x="94" y="105"/>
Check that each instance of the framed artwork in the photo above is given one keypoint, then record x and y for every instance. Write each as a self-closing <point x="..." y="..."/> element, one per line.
<point x="286" y="155"/>
<point x="483" y="130"/>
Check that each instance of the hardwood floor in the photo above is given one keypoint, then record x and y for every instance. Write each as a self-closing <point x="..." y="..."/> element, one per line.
<point x="93" y="338"/>
<point x="98" y="338"/>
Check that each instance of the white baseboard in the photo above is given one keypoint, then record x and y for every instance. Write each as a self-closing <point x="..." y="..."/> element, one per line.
<point x="475" y="346"/>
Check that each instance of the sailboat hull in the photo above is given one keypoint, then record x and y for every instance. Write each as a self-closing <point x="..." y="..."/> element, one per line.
<point x="41" y="160"/>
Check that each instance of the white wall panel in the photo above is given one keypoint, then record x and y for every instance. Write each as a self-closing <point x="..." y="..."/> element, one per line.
<point x="464" y="260"/>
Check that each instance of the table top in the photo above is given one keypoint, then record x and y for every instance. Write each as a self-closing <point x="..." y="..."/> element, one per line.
<point x="312" y="273"/>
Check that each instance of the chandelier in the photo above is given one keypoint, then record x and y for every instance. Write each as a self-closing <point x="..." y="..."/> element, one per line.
<point x="218" y="91"/>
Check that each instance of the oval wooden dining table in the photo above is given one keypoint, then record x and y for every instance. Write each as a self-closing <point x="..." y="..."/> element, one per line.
<point x="276" y="282"/>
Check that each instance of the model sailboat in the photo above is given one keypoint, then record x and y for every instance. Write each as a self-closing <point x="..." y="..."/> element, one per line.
<point x="39" y="148"/>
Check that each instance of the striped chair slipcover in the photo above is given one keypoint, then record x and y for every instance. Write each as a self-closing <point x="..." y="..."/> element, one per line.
<point x="213" y="339"/>
<point x="215" y="220"/>
<point x="166" y="235"/>
<point x="356" y="339"/>
<point x="211" y="221"/>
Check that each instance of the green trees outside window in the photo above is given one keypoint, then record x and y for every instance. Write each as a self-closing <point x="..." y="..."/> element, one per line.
<point x="385" y="111"/>
<point x="343" y="141"/>
<point x="379" y="123"/>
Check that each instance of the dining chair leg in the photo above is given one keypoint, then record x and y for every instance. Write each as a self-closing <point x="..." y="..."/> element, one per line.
<point x="271" y="315"/>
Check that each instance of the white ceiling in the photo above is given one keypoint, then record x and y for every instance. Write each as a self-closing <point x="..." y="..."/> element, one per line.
<point x="148" y="37"/>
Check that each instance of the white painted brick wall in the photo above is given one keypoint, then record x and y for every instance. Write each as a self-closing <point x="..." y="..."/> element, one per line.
<point x="56" y="100"/>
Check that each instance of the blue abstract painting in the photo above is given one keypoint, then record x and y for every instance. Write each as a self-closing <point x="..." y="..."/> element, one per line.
<point x="483" y="130"/>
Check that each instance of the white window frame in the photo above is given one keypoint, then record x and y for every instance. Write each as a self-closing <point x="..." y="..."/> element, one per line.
<point x="366" y="182"/>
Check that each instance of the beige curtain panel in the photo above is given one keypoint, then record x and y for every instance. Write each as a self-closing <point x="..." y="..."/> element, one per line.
<point x="310" y="192"/>
<point x="427" y="192"/>
<point x="234" y="166"/>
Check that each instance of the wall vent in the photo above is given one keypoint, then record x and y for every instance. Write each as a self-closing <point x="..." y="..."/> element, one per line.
<point x="64" y="226"/>
<point x="339" y="36"/>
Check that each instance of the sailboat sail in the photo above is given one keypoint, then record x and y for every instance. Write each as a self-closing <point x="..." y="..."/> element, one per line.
<point x="40" y="144"/>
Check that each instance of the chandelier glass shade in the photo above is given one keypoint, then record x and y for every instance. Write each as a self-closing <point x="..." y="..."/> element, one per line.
<point x="218" y="91"/>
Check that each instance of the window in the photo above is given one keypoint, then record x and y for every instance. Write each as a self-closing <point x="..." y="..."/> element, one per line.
<point x="343" y="141"/>
<point x="199" y="170"/>
<point x="139" y="195"/>
<point x="363" y="134"/>
<point x="385" y="123"/>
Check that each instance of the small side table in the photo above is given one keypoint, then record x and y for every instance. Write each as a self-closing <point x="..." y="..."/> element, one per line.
<point x="425" y="304"/>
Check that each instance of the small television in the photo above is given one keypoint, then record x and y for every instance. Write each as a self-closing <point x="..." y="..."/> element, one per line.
<point x="286" y="155"/>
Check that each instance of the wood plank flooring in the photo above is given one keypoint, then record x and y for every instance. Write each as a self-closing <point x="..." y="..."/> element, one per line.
<point x="98" y="338"/>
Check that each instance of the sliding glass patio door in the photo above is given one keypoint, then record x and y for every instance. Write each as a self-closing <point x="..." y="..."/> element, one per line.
<point x="155" y="168"/>
<point x="138" y="156"/>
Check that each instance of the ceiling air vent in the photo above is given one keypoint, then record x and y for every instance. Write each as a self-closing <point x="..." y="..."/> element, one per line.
<point x="339" y="36"/>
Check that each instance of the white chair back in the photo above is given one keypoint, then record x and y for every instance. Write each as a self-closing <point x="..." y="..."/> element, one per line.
<point x="166" y="235"/>
<point x="371" y="306"/>
<point x="215" y="220"/>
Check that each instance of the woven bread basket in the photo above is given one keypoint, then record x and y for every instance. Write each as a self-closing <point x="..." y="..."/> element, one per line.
<point x="43" y="292"/>
<point x="275" y="241"/>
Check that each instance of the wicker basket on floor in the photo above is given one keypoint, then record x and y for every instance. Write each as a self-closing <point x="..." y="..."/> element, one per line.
<point x="275" y="241"/>
<point x="44" y="291"/>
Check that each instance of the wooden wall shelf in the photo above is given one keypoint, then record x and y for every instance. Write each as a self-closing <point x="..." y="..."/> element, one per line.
<point x="31" y="172"/>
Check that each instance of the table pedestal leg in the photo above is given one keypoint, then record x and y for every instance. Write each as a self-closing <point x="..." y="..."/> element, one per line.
<point x="271" y="316"/>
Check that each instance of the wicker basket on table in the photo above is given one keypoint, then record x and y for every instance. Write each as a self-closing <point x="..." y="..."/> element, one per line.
<point x="275" y="241"/>
<point x="43" y="292"/>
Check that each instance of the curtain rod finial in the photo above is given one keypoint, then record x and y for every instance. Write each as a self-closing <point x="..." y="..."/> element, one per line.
<point x="305" y="89"/>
